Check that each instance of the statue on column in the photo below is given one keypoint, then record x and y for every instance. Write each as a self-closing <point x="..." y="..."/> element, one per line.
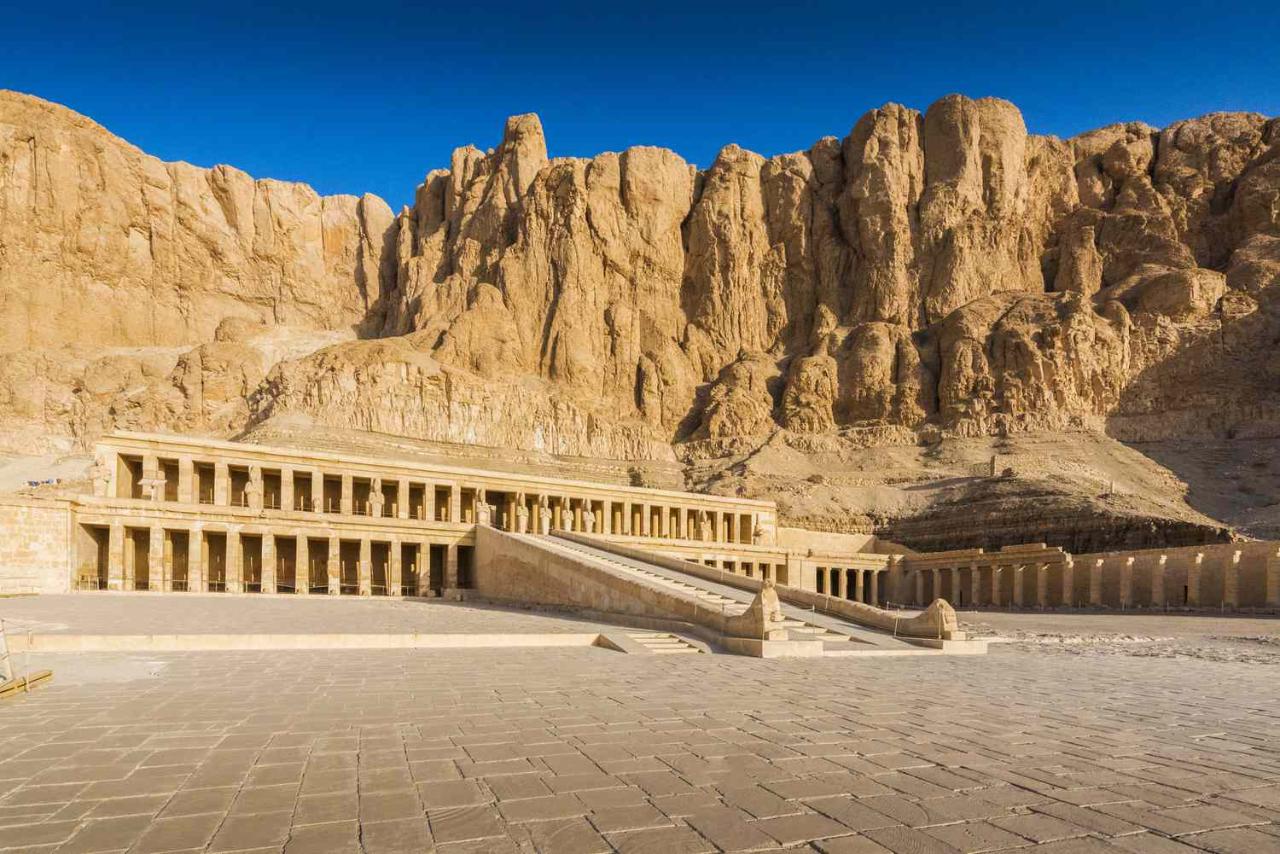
<point x="376" y="500"/>
<point x="153" y="487"/>
<point x="566" y="514"/>
<point x="522" y="514"/>
<point x="704" y="526"/>
<point x="544" y="516"/>
<point x="588" y="520"/>
<point x="100" y="474"/>
<point x="253" y="489"/>
<point x="483" y="511"/>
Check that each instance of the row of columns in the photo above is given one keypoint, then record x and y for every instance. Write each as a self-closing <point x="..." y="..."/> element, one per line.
<point x="123" y="568"/>
<point x="1031" y="582"/>
<point x="865" y="587"/>
<point x="763" y="570"/>
<point x="154" y="486"/>
<point x="525" y="513"/>
<point x="542" y="513"/>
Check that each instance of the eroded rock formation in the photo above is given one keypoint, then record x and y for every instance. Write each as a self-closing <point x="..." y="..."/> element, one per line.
<point x="937" y="273"/>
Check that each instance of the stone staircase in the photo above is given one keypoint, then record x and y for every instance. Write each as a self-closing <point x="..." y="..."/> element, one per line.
<point x="797" y="627"/>
<point x="664" y="643"/>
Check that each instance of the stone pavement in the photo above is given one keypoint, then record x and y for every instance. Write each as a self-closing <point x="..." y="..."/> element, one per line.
<point x="190" y="613"/>
<point x="582" y="750"/>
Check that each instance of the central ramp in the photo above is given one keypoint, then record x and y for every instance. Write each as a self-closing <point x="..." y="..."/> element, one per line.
<point x="599" y="582"/>
<point x="802" y="624"/>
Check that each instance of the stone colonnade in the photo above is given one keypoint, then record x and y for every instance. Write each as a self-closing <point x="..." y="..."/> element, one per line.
<point x="187" y="480"/>
<point x="854" y="584"/>
<point x="303" y="560"/>
<point x="1215" y="576"/>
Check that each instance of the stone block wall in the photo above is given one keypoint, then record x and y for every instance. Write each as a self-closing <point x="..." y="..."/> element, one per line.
<point x="35" y="547"/>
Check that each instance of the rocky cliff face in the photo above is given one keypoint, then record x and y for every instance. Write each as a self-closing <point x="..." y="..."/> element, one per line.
<point x="939" y="271"/>
<point x="930" y="275"/>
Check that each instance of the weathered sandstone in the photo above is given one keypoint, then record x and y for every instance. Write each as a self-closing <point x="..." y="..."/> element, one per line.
<point x="931" y="275"/>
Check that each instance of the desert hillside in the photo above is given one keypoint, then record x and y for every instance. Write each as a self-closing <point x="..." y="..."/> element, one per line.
<point x="939" y="326"/>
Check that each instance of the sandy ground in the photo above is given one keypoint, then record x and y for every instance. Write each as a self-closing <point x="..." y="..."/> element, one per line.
<point x="1249" y="640"/>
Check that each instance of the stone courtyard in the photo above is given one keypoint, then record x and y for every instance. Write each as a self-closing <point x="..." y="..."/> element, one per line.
<point x="586" y="749"/>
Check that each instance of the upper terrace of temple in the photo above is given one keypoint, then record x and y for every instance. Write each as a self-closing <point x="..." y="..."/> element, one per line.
<point x="218" y="474"/>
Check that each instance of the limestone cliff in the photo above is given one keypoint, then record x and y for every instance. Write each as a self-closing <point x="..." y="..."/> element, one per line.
<point x="932" y="275"/>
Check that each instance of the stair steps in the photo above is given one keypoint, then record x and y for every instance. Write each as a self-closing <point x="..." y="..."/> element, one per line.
<point x="663" y="643"/>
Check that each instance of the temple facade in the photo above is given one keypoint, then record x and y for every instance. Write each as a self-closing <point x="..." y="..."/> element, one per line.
<point x="179" y="514"/>
<point x="176" y="514"/>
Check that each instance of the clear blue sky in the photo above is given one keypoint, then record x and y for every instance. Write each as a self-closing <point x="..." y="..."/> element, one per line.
<point x="354" y="97"/>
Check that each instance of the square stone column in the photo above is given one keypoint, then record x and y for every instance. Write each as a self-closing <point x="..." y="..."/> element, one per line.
<point x="286" y="489"/>
<point x="345" y="507"/>
<point x="919" y="592"/>
<point x="859" y="585"/>
<point x="1069" y="583"/>
<point x="421" y="567"/>
<point x="301" y="563"/>
<point x="455" y="503"/>
<point x="235" y="562"/>
<point x="195" y="561"/>
<point x="1193" y="579"/>
<point x="875" y="588"/>
<point x="254" y="490"/>
<point x="842" y="585"/>
<point x="451" y="567"/>
<point x="1157" y="582"/>
<point x="364" y="571"/>
<point x="1126" y="582"/>
<point x="395" y="571"/>
<point x="269" y="562"/>
<point x="975" y="585"/>
<point x="167" y="556"/>
<point x="1018" y="571"/>
<point x="429" y="502"/>
<point x="221" y="484"/>
<point x="158" y="578"/>
<point x="733" y="527"/>
<point x="644" y="520"/>
<point x="402" y="499"/>
<point x="996" y="571"/>
<point x="151" y="478"/>
<point x="1231" y="581"/>
<point x="334" y="567"/>
<point x="317" y="492"/>
<point x="1095" y="582"/>
<point x="187" y="481"/>
<point x="955" y="585"/>
<point x="1042" y="584"/>
<point x="130" y="558"/>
